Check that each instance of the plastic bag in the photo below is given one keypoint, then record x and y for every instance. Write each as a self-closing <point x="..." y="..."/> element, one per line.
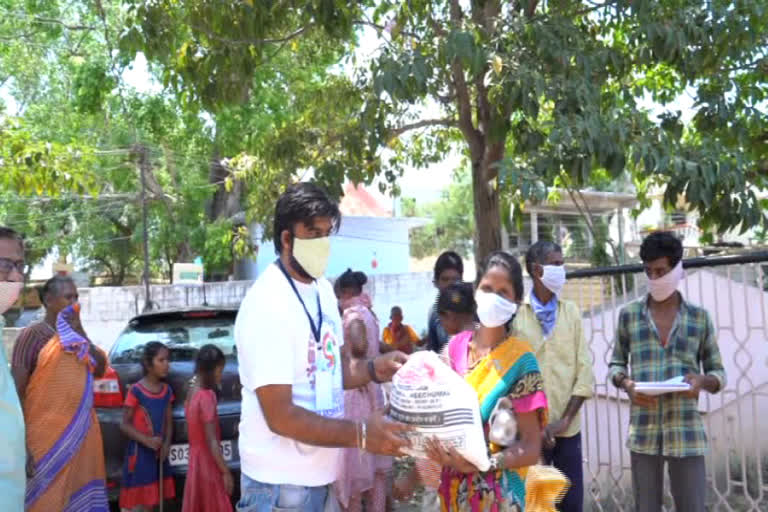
<point x="545" y="487"/>
<point x="429" y="395"/>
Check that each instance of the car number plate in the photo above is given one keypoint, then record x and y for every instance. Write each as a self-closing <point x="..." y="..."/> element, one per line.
<point x="179" y="454"/>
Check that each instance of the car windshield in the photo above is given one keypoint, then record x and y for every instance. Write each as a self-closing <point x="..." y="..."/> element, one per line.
<point x="183" y="337"/>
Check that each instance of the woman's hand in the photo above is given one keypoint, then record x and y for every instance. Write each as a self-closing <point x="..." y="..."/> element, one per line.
<point x="154" y="443"/>
<point x="404" y="487"/>
<point x="165" y="451"/>
<point x="448" y="457"/>
<point x="229" y="482"/>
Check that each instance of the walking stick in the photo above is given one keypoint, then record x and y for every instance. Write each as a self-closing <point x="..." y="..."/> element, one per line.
<point x="160" y="482"/>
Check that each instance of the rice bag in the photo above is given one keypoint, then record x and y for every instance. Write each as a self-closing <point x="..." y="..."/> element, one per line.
<point x="438" y="402"/>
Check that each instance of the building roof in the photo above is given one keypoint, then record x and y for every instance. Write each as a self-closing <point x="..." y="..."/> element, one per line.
<point x="599" y="203"/>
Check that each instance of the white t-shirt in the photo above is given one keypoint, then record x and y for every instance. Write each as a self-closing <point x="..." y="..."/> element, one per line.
<point x="275" y="345"/>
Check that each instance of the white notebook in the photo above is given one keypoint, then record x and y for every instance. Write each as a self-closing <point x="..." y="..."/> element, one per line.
<point x="674" y="385"/>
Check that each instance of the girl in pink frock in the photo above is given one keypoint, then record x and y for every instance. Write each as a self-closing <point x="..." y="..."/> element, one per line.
<point x="209" y="481"/>
<point x="363" y="477"/>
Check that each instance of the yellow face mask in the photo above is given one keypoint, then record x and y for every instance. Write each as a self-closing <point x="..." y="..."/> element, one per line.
<point x="312" y="254"/>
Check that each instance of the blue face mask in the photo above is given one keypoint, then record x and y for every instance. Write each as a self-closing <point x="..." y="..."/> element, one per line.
<point x="493" y="310"/>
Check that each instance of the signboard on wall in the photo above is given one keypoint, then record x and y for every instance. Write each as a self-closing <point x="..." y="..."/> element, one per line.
<point x="188" y="273"/>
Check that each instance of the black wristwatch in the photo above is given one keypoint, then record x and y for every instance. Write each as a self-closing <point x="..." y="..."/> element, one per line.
<point x="372" y="372"/>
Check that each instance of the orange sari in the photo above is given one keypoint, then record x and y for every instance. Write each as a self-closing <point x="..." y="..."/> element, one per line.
<point x="63" y="433"/>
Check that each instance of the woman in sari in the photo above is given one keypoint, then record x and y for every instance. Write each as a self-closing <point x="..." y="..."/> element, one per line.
<point x="63" y="434"/>
<point x="363" y="476"/>
<point x="499" y="368"/>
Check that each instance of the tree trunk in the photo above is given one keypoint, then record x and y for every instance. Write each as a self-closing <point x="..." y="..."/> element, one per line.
<point x="224" y="204"/>
<point x="487" y="217"/>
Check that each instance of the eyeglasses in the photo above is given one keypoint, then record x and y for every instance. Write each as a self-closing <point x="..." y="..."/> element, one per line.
<point x="7" y="266"/>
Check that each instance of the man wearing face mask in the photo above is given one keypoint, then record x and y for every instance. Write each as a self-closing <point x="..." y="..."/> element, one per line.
<point x="295" y="366"/>
<point x="553" y="328"/>
<point x="662" y="337"/>
<point x="13" y="454"/>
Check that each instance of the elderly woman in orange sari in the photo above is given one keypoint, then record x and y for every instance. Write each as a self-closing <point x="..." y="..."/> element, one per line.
<point x="63" y="434"/>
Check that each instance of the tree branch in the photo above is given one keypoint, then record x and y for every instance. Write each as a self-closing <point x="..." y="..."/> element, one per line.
<point x="249" y="42"/>
<point x="580" y="12"/>
<point x="463" y="100"/>
<point x="586" y="214"/>
<point x="385" y="29"/>
<point x="52" y="21"/>
<point x="396" y="132"/>
<point x="122" y="228"/>
<point x="464" y="105"/>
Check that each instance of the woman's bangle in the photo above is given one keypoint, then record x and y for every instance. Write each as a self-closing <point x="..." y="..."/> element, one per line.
<point x="364" y="435"/>
<point x="497" y="462"/>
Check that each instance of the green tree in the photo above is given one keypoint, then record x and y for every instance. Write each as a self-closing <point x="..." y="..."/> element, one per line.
<point x="452" y="221"/>
<point x="72" y="99"/>
<point x="549" y="93"/>
<point x="538" y="93"/>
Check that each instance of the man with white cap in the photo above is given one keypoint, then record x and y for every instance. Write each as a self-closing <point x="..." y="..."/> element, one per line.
<point x="662" y="337"/>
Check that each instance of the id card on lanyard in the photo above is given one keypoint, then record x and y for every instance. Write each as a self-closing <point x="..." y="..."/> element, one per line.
<point x="323" y="377"/>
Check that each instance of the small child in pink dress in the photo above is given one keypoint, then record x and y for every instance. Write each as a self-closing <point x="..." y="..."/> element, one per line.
<point x="209" y="481"/>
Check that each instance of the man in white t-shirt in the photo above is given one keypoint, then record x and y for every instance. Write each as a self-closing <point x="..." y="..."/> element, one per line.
<point x="294" y="368"/>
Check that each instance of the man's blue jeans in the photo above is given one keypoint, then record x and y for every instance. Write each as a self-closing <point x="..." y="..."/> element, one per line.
<point x="260" y="497"/>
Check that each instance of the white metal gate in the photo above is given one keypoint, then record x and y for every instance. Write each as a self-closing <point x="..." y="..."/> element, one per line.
<point x="732" y="290"/>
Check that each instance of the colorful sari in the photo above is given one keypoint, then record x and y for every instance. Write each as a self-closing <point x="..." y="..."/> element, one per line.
<point x="511" y="371"/>
<point x="63" y="434"/>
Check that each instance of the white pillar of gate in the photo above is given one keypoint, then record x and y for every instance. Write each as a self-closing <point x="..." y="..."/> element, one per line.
<point x="534" y="227"/>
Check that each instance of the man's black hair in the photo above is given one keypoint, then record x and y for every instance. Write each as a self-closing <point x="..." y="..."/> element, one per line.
<point x="396" y="310"/>
<point x="449" y="260"/>
<point x="301" y="203"/>
<point x="538" y="252"/>
<point x="352" y="281"/>
<point x="511" y="265"/>
<point x="661" y="244"/>
<point x="7" y="233"/>
<point x="53" y="286"/>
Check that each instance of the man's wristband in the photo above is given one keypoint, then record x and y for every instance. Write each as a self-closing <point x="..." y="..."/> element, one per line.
<point x="372" y="372"/>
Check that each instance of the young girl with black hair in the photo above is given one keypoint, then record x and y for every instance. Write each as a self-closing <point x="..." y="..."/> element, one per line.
<point x="147" y="423"/>
<point x="363" y="477"/>
<point x="209" y="481"/>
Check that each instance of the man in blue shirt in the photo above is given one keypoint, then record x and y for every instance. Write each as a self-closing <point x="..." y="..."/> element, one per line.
<point x="13" y="455"/>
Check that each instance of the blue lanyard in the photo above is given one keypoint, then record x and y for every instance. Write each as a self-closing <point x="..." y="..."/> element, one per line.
<point x="315" y="330"/>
